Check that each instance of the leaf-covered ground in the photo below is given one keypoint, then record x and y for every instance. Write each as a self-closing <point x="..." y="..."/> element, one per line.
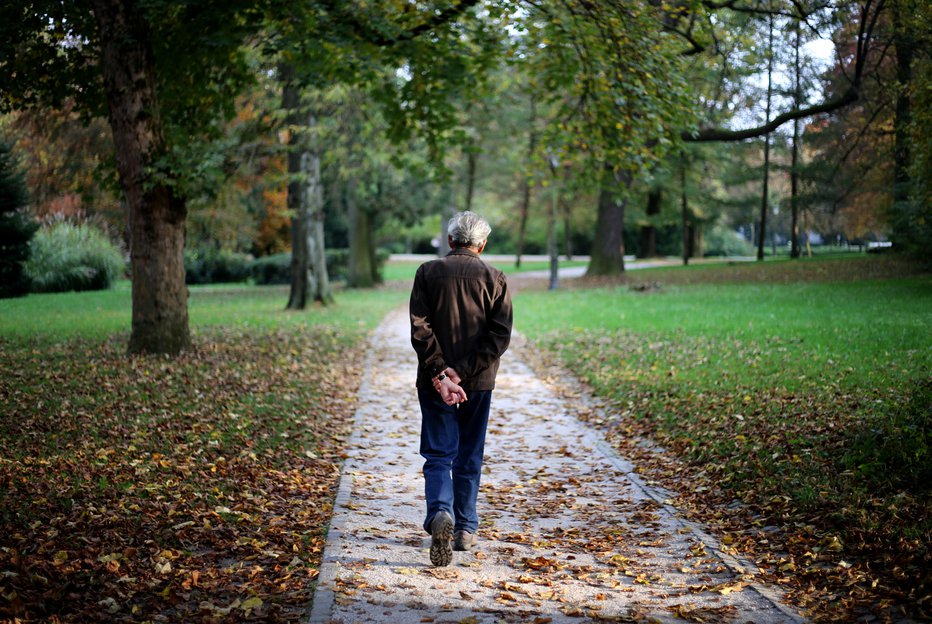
<point x="812" y="457"/>
<point x="195" y="489"/>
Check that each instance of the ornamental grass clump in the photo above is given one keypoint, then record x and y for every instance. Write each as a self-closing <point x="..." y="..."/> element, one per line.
<point x="66" y="256"/>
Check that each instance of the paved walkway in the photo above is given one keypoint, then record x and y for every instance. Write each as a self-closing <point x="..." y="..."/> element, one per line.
<point x="568" y="533"/>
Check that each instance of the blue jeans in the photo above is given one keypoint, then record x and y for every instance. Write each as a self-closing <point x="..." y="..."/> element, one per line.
<point x="452" y="443"/>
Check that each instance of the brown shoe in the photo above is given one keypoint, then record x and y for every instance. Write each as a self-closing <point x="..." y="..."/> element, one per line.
<point x="464" y="540"/>
<point x="441" y="531"/>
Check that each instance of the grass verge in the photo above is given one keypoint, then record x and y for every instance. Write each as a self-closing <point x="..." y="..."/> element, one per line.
<point x="796" y="415"/>
<point x="195" y="488"/>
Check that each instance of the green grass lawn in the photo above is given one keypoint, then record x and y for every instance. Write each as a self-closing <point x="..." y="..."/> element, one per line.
<point x="99" y="314"/>
<point x="809" y="402"/>
<point x="852" y="334"/>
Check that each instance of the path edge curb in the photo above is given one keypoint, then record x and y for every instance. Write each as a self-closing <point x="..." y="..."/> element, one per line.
<point x="323" y="599"/>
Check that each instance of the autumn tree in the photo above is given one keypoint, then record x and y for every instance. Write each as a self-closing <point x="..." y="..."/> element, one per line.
<point x="67" y="163"/>
<point x="872" y="162"/>
<point x="163" y="73"/>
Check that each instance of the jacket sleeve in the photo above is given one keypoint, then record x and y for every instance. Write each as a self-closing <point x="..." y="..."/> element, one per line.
<point x="494" y="342"/>
<point x="423" y="339"/>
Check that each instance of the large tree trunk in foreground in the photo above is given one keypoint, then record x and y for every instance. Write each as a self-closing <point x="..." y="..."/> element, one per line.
<point x="608" y="247"/>
<point x="156" y="216"/>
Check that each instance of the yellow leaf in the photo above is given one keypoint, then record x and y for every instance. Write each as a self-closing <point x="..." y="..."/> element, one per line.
<point x="251" y="603"/>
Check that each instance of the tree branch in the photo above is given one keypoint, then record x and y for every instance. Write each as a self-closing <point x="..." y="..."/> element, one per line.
<point x="378" y="38"/>
<point x="722" y="134"/>
<point x="868" y="20"/>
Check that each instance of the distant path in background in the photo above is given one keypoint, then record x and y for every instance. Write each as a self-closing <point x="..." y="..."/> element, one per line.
<point x="570" y="272"/>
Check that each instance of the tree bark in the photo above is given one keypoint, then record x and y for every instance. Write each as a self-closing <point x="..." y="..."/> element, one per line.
<point x="156" y="214"/>
<point x="445" y="215"/>
<point x="649" y="232"/>
<point x="566" y="208"/>
<point x="684" y="205"/>
<point x="314" y="196"/>
<point x="296" y="202"/>
<point x="472" y="159"/>
<point x="305" y="200"/>
<point x="905" y="50"/>
<point x="608" y="247"/>
<point x="764" y="202"/>
<point x="552" y="229"/>
<point x="361" y="265"/>
<point x="794" y="164"/>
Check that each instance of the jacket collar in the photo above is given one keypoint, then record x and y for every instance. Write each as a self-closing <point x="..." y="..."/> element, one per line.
<point x="463" y="251"/>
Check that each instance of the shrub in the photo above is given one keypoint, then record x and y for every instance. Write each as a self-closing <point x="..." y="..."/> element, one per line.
<point x="15" y="228"/>
<point x="276" y="269"/>
<point x="212" y="266"/>
<point x="721" y="241"/>
<point x="67" y="257"/>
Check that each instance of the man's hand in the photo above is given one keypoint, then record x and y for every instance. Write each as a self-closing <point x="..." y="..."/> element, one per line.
<point x="453" y="375"/>
<point x="451" y="393"/>
<point x="447" y="384"/>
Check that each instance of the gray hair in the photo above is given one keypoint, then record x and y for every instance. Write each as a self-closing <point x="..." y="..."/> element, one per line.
<point x="468" y="229"/>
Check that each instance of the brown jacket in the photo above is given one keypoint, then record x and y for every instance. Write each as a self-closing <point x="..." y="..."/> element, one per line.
<point x="460" y="317"/>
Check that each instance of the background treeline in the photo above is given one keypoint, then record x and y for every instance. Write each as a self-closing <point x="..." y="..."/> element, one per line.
<point x="680" y="128"/>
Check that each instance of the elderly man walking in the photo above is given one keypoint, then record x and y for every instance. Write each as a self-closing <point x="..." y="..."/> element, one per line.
<point x="460" y="326"/>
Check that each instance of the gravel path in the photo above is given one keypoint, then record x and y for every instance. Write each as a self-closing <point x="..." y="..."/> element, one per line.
<point x="568" y="532"/>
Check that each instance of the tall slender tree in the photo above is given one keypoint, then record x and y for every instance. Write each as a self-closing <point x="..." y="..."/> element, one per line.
<point x="765" y="192"/>
<point x="794" y="163"/>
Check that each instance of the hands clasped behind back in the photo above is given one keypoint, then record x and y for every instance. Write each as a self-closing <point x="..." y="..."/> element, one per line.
<point x="447" y="384"/>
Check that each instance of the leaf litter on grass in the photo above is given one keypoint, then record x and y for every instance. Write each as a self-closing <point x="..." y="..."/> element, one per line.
<point x="189" y="489"/>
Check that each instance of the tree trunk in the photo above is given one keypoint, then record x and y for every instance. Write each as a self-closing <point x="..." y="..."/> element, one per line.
<point x="525" y="207"/>
<point x="472" y="159"/>
<point x="445" y="215"/>
<point x="608" y="247"/>
<point x="794" y="165"/>
<point x="566" y="207"/>
<point x="905" y="51"/>
<point x="296" y="202"/>
<point x="649" y="232"/>
<point x="361" y="266"/>
<point x="314" y="197"/>
<point x="684" y="203"/>
<point x="764" y="202"/>
<point x="155" y="215"/>
<point x="552" y="230"/>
